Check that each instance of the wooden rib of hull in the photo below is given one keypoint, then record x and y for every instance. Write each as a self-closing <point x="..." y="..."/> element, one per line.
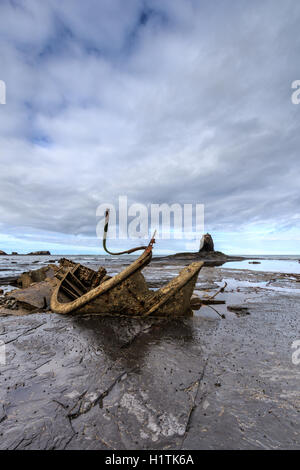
<point x="174" y="298"/>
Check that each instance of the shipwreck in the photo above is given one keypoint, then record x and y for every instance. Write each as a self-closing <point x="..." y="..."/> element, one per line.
<point x="82" y="290"/>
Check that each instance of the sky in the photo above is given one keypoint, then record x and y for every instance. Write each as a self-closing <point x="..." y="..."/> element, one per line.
<point x="161" y="101"/>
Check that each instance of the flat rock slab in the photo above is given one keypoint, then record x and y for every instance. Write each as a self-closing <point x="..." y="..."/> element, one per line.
<point x="36" y="296"/>
<point x="117" y="383"/>
<point x="94" y="383"/>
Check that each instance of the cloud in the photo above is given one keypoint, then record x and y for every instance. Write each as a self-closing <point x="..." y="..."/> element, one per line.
<point x="162" y="101"/>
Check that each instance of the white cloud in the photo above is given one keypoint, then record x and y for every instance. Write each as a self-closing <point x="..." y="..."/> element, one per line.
<point x="176" y="102"/>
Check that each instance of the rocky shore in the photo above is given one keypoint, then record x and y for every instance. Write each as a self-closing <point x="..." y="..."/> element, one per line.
<point x="33" y="253"/>
<point x="202" y="382"/>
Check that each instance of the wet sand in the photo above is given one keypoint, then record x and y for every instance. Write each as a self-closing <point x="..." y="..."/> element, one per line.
<point x="195" y="383"/>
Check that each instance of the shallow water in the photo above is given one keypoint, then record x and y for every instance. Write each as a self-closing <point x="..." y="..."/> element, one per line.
<point x="14" y="266"/>
<point x="286" y="266"/>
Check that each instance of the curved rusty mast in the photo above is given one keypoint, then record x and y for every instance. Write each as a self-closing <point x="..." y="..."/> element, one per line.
<point x="128" y="252"/>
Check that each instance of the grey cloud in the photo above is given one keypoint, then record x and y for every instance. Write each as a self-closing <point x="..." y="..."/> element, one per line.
<point x="188" y="103"/>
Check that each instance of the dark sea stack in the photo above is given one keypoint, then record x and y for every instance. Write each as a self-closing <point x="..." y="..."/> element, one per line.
<point x="39" y="253"/>
<point x="206" y="244"/>
<point x="14" y="253"/>
<point x="206" y="252"/>
<point x="2" y="253"/>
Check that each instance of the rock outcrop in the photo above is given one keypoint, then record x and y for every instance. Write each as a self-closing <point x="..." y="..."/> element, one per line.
<point x="206" y="253"/>
<point x="33" y="294"/>
<point x="2" y="253"/>
<point x="35" y="297"/>
<point x="39" y="253"/>
<point x="37" y="275"/>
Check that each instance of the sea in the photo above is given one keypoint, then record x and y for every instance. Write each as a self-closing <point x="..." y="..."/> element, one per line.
<point x="11" y="267"/>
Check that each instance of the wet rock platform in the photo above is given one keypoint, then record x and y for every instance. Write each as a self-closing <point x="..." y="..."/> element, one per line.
<point x="195" y="383"/>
